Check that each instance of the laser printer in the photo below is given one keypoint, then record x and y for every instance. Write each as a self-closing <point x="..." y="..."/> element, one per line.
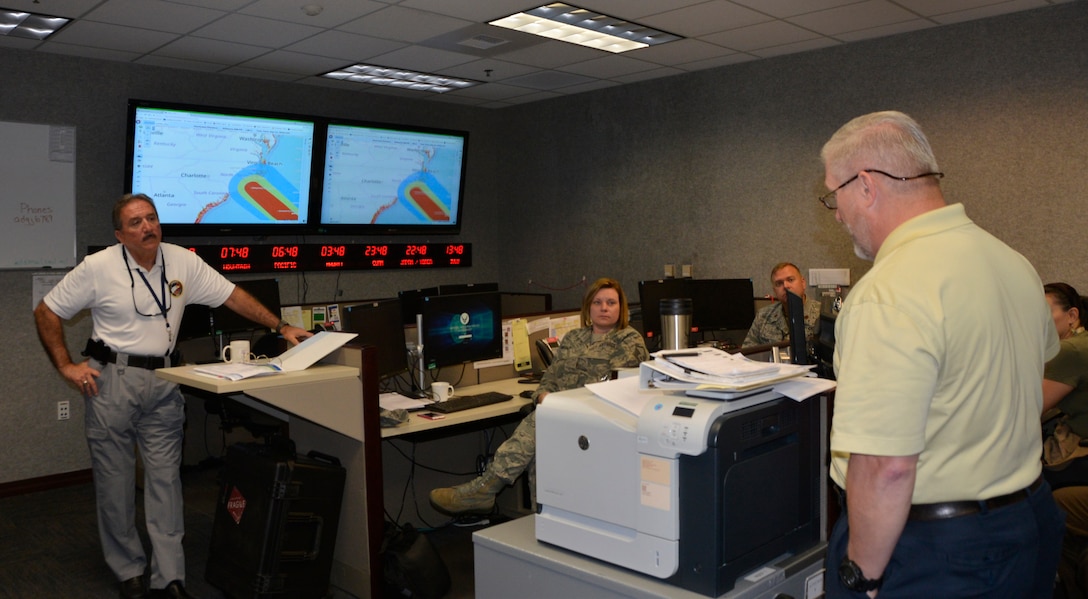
<point x="691" y="490"/>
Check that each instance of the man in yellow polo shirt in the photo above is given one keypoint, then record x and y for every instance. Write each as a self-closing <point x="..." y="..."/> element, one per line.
<point x="940" y="348"/>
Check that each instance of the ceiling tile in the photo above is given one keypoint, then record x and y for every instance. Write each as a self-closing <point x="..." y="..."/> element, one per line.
<point x="763" y="35"/>
<point x="85" y="52"/>
<point x="608" y="67"/>
<point x="551" y="54"/>
<point x="545" y="80"/>
<point x="701" y="19"/>
<point x="333" y="12"/>
<point x="864" y="15"/>
<point x="894" y="29"/>
<point x="477" y="70"/>
<point x="256" y="31"/>
<point x="153" y="14"/>
<point x="792" y="8"/>
<point x="992" y="10"/>
<point x="71" y="9"/>
<point x="813" y="44"/>
<point x="685" y="50"/>
<point x="418" y="58"/>
<point x="112" y="37"/>
<point x="472" y="10"/>
<point x="405" y="24"/>
<point x="293" y="62"/>
<point x="345" y="46"/>
<point x="209" y="51"/>
<point x="632" y="10"/>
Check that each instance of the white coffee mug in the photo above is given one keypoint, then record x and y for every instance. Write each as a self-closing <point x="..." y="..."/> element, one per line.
<point x="237" y="352"/>
<point x="441" y="391"/>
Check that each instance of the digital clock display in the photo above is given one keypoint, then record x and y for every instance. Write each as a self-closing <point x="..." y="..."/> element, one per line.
<point x="318" y="257"/>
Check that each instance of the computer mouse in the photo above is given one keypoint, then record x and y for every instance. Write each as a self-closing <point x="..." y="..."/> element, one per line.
<point x="527" y="394"/>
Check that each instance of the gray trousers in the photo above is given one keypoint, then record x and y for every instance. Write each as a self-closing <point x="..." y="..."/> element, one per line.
<point x="134" y="408"/>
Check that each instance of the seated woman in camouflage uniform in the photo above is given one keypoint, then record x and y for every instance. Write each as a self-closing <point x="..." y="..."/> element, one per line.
<point x="604" y="343"/>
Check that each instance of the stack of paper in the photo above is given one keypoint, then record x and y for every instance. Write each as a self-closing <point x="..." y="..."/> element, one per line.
<point x="711" y="368"/>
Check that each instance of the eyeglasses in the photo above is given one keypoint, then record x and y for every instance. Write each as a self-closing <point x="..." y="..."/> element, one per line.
<point x="828" y="199"/>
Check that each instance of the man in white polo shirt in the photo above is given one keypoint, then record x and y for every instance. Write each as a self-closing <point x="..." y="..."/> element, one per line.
<point x="137" y="291"/>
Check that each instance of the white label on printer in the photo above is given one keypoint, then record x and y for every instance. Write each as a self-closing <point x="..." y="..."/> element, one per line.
<point x="655" y="482"/>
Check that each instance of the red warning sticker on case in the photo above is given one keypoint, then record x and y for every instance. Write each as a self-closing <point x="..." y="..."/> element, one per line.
<point x="236" y="505"/>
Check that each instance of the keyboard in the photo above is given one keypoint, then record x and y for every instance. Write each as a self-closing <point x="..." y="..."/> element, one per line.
<point x="467" y="402"/>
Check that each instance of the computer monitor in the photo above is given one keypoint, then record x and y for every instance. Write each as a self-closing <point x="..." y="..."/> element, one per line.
<point x="650" y="294"/>
<point x="721" y="304"/>
<point x="378" y="323"/>
<point x="411" y="302"/>
<point x="196" y="322"/>
<point x="452" y="288"/>
<point x="519" y="304"/>
<point x="795" y="308"/>
<point x="266" y="291"/>
<point x="461" y="328"/>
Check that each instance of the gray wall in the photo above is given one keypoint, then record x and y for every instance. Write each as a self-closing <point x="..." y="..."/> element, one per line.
<point x="718" y="169"/>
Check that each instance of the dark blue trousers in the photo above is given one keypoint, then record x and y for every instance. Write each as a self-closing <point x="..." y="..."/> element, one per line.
<point x="1011" y="552"/>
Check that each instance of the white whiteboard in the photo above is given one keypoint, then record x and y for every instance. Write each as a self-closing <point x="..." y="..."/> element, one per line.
<point x="37" y="196"/>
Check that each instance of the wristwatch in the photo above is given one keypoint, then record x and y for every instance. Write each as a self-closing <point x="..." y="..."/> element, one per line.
<point x="852" y="578"/>
<point x="280" y="325"/>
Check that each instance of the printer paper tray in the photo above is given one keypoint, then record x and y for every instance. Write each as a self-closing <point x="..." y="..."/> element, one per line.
<point x="608" y="542"/>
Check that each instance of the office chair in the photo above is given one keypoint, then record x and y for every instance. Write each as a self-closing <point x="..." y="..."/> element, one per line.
<point x="547" y="356"/>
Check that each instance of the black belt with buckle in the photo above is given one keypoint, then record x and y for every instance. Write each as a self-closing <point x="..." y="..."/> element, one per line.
<point x="927" y="512"/>
<point x="924" y="512"/>
<point x="102" y="352"/>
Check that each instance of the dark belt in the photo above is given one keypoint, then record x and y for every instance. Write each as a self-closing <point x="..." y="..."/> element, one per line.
<point x="101" y="352"/>
<point x="924" y="512"/>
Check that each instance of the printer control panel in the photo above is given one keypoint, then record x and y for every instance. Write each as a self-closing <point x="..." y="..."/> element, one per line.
<point x="672" y="425"/>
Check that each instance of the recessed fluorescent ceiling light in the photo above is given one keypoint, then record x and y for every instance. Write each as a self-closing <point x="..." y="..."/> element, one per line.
<point x="568" y="23"/>
<point x="15" y="23"/>
<point x="365" y="73"/>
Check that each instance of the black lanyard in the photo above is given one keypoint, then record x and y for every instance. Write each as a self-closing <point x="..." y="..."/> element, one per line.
<point x="160" y="302"/>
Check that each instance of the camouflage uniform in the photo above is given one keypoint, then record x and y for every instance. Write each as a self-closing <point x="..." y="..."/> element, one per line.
<point x="771" y="326"/>
<point x="581" y="359"/>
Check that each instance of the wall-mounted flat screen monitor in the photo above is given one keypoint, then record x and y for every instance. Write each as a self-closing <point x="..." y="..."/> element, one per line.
<point x="266" y="291"/>
<point x="385" y="179"/>
<point x="216" y="171"/>
<point x="461" y="328"/>
<point x="378" y="323"/>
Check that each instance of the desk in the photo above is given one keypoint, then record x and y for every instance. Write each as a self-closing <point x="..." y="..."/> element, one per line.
<point x="416" y="424"/>
<point x="330" y="407"/>
<point x="325" y="408"/>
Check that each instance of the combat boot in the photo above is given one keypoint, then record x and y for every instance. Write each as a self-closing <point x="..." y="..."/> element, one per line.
<point x="474" y="497"/>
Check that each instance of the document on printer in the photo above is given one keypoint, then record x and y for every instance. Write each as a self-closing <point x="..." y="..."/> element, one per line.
<point x="712" y="368"/>
<point x="623" y="393"/>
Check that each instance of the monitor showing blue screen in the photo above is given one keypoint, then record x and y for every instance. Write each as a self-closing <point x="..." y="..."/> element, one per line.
<point x="461" y="328"/>
<point x="213" y="171"/>
<point x="393" y="180"/>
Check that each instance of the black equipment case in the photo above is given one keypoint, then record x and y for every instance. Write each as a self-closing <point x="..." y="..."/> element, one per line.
<point x="275" y="523"/>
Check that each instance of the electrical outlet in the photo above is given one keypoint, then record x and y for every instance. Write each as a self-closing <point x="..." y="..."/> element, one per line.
<point x="62" y="410"/>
